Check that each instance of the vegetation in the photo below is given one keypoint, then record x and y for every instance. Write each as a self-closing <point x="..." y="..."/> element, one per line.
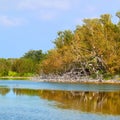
<point x="25" y="66"/>
<point x="92" y="49"/>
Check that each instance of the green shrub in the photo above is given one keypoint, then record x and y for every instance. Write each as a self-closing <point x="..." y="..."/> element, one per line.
<point x="28" y="74"/>
<point x="12" y="74"/>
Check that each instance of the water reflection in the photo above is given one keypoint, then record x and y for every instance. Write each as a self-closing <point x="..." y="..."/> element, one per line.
<point x="4" y="91"/>
<point x="93" y="102"/>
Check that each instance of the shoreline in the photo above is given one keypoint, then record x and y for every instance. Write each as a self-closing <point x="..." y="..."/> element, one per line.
<point x="84" y="80"/>
<point x="77" y="81"/>
<point x="15" y="78"/>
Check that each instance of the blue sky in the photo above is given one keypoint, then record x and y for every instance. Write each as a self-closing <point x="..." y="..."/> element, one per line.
<point x="33" y="24"/>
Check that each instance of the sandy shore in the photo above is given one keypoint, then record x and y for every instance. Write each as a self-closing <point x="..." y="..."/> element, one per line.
<point x="22" y="78"/>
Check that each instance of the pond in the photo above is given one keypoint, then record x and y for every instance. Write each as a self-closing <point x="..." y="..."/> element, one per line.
<point x="29" y="100"/>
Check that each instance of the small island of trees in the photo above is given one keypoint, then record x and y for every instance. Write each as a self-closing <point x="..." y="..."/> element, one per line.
<point x="92" y="49"/>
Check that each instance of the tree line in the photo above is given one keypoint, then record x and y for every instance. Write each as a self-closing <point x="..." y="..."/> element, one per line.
<point x="93" y="48"/>
<point x="25" y="66"/>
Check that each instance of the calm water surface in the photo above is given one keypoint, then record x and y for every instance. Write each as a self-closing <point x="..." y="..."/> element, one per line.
<point x="28" y="100"/>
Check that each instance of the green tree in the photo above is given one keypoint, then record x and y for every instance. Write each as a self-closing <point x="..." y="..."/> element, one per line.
<point x="5" y="66"/>
<point x="64" y="38"/>
<point x="35" y="55"/>
<point x="23" y="66"/>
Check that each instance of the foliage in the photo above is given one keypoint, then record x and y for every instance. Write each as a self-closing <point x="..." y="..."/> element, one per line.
<point x="22" y="66"/>
<point x="35" y="55"/>
<point x="12" y="74"/>
<point x="4" y="67"/>
<point x="94" y="47"/>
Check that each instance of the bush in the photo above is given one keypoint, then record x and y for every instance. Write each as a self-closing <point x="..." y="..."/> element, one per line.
<point x="12" y="74"/>
<point x="108" y="76"/>
<point x="28" y="74"/>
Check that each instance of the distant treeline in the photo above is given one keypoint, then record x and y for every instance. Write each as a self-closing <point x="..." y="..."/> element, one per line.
<point x="93" y="48"/>
<point x="25" y="66"/>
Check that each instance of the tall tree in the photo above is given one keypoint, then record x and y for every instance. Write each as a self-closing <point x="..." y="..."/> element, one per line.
<point x="35" y="55"/>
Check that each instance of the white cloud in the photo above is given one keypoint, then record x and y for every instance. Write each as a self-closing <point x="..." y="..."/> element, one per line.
<point x="8" y="22"/>
<point x="41" y="9"/>
<point x="46" y="9"/>
<point x="45" y="4"/>
<point x="37" y="4"/>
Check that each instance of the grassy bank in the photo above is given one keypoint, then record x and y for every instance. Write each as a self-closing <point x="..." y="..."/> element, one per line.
<point x="15" y="78"/>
